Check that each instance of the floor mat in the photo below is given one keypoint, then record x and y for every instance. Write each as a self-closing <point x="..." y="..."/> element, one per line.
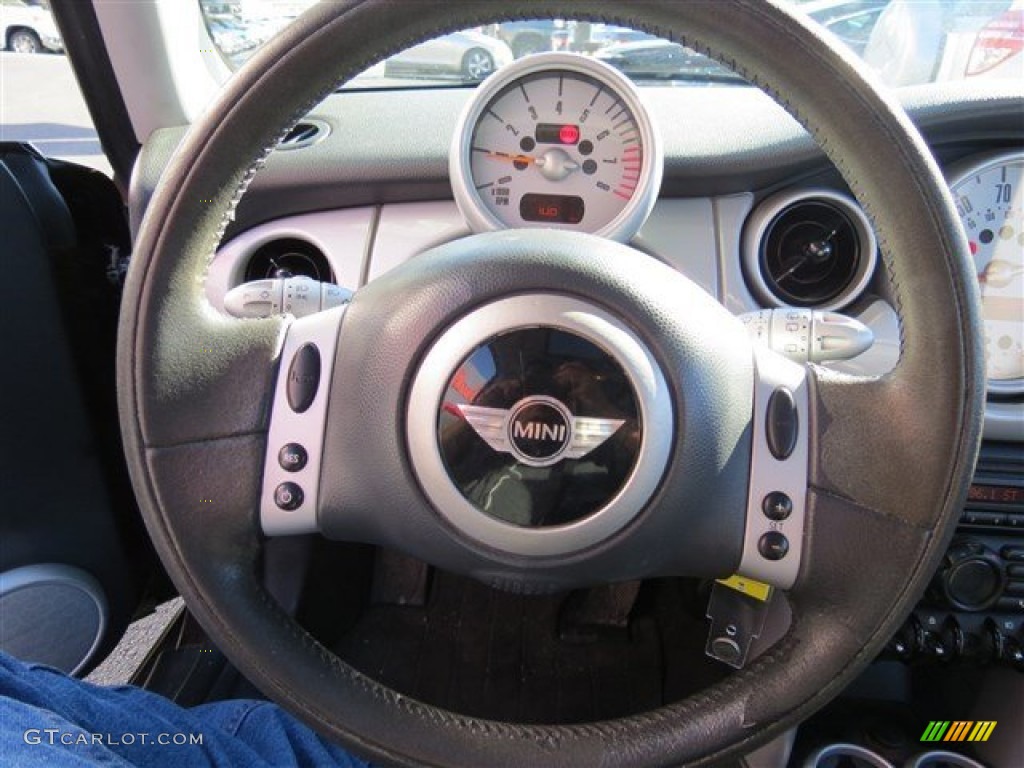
<point x="493" y="654"/>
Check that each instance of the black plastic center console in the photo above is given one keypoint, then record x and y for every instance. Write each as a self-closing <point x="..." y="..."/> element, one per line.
<point x="974" y="609"/>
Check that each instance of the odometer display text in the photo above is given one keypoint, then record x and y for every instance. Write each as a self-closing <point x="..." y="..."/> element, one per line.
<point x="564" y="209"/>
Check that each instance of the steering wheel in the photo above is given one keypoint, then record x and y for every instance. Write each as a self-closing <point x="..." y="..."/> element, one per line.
<point x="887" y="462"/>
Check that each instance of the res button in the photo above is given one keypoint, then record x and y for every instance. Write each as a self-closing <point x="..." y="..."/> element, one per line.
<point x="292" y="457"/>
<point x="303" y="378"/>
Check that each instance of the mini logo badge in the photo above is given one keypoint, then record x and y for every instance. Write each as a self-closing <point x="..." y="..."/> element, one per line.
<point x="958" y="730"/>
<point x="539" y="431"/>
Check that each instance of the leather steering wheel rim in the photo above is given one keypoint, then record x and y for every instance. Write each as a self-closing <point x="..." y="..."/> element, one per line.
<point x="195" y="389"/>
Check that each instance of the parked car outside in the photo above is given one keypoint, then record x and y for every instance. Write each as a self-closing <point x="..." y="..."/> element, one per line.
<point x="610" y="34"/>
<point x="661" y="59"/>
<point x="469" y="55"/>
<point x="28" y="28"/>
<point x="649" y="57"/>
<point x="534" y="36"/>
<point x="852" y="21"/>
<point x="238" y="37"/>
<point x="923" y="41"/>
<point x="231" y="37"/>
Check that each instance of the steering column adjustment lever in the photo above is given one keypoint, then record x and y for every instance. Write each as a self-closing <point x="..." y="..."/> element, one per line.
<point x="737" y="609"/>
<point x="809" y="335"/>
<point x="299" y="296"/>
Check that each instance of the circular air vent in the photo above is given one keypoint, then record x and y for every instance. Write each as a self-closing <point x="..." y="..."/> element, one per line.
<point x="288" y="258"/>
<point x="810" y="248"/>
<point x="305" y="134"/>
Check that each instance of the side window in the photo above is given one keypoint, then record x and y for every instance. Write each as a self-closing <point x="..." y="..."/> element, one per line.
<point x="40" y="101"/>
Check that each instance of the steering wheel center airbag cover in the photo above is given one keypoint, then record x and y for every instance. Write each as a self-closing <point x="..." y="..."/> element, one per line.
<point x="551" y="434"/>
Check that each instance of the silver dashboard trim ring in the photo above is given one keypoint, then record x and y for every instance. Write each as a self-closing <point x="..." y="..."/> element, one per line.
<point x="632" y="217"/>
<point x="958" y="174"/>
<point x="756" y="227"/>
<point x="456" y="343"/>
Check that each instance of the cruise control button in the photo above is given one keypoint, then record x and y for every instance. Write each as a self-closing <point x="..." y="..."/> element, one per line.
<point x="292" y="457"/>
<point x="781" y="424"/>
<point x="303" y="378"/>
<point x="288" y="496"/>
<point x="773" y="546"/>
<point x="777" y="506"/>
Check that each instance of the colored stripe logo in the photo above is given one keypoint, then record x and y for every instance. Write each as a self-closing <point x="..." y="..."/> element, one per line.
<point x="958" y="730"/>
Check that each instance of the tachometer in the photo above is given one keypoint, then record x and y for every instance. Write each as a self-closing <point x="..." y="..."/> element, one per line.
<point x="989" y="196"/>
<point x="557" y="140"/>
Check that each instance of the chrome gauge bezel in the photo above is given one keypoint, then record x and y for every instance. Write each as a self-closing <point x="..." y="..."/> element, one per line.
<point x="958" y="174"/>
<point x="629" y="220"/>
<point x="760" y="220"/>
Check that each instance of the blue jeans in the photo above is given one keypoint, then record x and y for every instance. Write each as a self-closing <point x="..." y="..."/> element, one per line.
<point x="48" y="719"/>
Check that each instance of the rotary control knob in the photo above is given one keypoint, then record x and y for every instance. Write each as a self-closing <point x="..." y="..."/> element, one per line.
<point x="971" y="577"/>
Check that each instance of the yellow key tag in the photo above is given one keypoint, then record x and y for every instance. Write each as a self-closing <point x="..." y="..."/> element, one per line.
<point x="755" y="589"/>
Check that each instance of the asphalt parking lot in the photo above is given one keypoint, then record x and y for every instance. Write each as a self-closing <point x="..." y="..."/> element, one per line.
<point x="40" y="102"/>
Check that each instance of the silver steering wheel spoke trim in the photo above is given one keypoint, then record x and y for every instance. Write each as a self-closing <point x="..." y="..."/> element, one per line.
<point x="305" y="429"/>
<point x="770" y="475"/>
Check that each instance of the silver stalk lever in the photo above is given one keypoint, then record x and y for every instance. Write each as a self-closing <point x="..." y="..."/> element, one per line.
<point x="298" y="296"/>
<point x="808" y="335"/>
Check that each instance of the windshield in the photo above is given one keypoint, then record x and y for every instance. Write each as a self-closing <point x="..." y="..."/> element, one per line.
<point x="907" y="42"/>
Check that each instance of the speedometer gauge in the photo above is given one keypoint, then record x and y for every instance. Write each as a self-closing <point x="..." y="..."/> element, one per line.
<point x="989" y="196"/>
<point x="557" y="140"/>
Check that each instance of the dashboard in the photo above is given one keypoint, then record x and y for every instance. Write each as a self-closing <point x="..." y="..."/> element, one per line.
<point x="727" y="188"/>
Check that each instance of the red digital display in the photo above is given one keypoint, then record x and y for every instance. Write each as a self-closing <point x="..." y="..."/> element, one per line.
<point x="562" y="209"/>
<point x="996" y="494"/>
<point x="553" y="133"/>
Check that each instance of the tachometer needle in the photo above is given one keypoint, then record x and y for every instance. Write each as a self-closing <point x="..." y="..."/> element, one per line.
<point x="505" y="156"/>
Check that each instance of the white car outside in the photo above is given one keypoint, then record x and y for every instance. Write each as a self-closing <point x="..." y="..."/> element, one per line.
<point x="28" y="28"/>
<point x="467" y="54"/>
<point x="925" y="41"/>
